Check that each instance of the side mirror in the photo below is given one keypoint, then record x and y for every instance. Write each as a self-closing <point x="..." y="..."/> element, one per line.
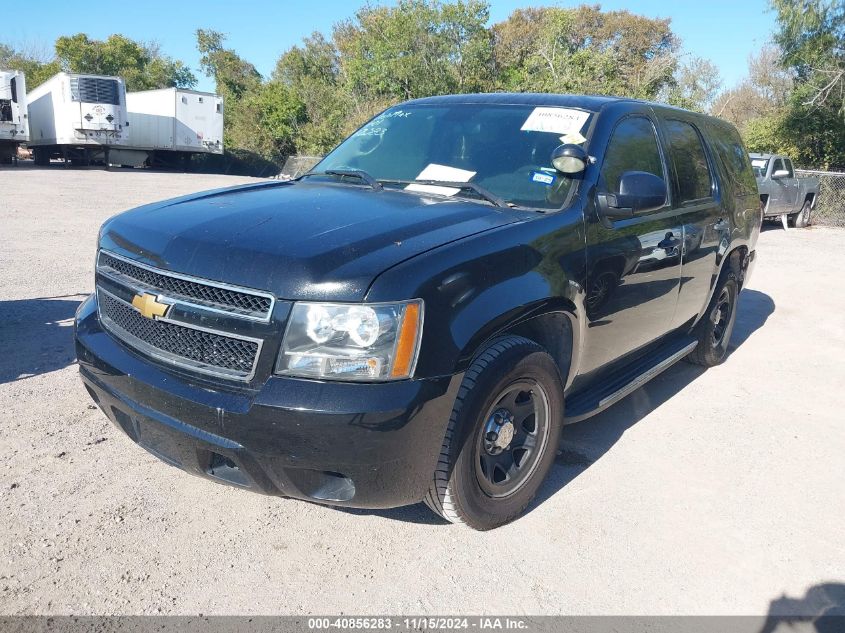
<point x="569" y="159"/>
<point x="639" y="191"/>
<point x="780" y="173"/>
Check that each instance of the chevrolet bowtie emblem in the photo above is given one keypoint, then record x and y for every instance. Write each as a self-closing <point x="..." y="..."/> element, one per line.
<point x="149" y="307"/>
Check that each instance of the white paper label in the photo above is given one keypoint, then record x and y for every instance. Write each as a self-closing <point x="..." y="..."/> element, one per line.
<point x="575" y="138"/>
<point x="444" y="173"/>
<point x="555" y="120"/>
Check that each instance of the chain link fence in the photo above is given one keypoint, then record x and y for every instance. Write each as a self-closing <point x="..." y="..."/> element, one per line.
<point x="830" y="207"/>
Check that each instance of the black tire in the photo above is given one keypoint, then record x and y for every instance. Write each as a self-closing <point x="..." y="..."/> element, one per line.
<point x="801" y="219"/>
<point x="464" y="489"/>
<point x="714" y="329"/>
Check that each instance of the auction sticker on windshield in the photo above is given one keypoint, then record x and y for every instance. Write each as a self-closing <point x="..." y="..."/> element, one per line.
<point x="444" y="173"/>
<point x="555" y="120"/>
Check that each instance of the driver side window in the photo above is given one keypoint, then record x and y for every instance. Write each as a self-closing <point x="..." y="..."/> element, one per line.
<point x="787" y="165"/>
<point x="633" y="147"/>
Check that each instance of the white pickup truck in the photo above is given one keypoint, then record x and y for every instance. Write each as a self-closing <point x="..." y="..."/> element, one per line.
<point x="782" y="194"/>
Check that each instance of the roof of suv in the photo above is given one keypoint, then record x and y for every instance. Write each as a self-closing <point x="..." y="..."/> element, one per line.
<point x="589" y="102"/>
<point x="593" y="103"/>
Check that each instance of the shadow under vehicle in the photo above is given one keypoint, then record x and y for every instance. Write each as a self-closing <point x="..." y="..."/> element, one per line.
<point x="417" y="317"/>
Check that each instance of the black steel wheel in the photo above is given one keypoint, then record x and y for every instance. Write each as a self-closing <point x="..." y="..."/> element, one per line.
<point x="715" y="327"/>
<point x="513" y="438"/>
<point x="720" y="316"/>
<point x="502" y="436"/>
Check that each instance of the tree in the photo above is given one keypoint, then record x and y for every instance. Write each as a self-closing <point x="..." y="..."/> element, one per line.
<point x="233" y="75"/>
<point x="553" y="49"/>
<point x="763" y="95"/>
<point x="381" y="56"/>
<point x="141" y="65"/>
<point x="811" y="35"/>
<point x="695" y="85"/>
<point x="741" y="104"/>
<point x="261" y="117"/>
<point x="417" y="48"/>
<point x="810" y="83"/>
<point x="37" y="65"/>
<point x="774" y="82"/>
<point x="312" y="72"/>
<point x="264" y="121"/>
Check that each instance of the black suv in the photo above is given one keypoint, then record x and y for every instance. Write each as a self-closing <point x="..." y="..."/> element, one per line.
<point x="419" y="316"/>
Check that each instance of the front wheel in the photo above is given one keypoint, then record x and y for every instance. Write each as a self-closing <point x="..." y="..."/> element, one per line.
<point x="502" y="436"/>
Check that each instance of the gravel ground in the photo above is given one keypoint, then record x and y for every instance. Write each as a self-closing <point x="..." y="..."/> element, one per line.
<point x="705" y="492"/>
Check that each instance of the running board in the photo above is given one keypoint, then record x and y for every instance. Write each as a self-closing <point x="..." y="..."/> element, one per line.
<point x="612" y="389"/>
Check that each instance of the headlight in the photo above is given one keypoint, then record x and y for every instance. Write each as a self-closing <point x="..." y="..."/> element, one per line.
<point x="352" y="341"/>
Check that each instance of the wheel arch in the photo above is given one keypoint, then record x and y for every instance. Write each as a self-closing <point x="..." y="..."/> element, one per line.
<point x="736" y="259"/>
<point x="554" y="326"/>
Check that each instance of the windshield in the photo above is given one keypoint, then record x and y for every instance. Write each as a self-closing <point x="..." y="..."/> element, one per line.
<point x="759" y="165"/>
<point x="506" y="149"/>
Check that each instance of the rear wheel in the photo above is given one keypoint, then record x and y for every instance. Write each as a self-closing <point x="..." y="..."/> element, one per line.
<point x="502" y="436"/>
<point x="714" y="329"/>
<point x="802" y="219"/>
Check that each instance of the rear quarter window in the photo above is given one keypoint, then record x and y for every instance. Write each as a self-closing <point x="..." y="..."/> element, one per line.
<point x="731" y="153"/>
<point x="694" y="179"/>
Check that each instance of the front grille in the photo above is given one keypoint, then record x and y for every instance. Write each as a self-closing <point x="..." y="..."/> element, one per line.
<point x="239" y="302"/>
<point x="200" y="350"/>
<point x="94" y="90"/>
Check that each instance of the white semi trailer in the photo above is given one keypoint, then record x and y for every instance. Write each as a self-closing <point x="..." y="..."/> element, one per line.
<point x="14" y="124"/>
<point x="80" y="118"/>
<point x="172" y="124"/>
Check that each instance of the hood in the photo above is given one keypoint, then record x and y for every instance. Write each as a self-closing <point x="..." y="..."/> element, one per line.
<point x="300" y="241"/>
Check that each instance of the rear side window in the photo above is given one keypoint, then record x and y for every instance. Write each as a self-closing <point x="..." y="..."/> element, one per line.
<point x="725" y="140"/>
<point x="633" y="147"/>
<point x="694" y="179"/>
<point x="13" y="84"/>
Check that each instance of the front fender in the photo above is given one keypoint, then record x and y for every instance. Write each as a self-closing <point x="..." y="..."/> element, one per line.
<point x="479" y="286"/>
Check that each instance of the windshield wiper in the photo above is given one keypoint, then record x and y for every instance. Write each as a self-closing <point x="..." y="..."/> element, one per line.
<point x="480" y="191"/>
<point x="352" y="173"/>
<point x="486" y="194"/>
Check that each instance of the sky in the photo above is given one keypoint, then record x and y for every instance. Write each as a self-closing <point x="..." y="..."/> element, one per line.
<point x="724" y="31"/>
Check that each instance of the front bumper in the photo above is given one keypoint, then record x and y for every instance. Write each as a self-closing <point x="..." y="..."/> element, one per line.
<point x="358" y="445"/>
